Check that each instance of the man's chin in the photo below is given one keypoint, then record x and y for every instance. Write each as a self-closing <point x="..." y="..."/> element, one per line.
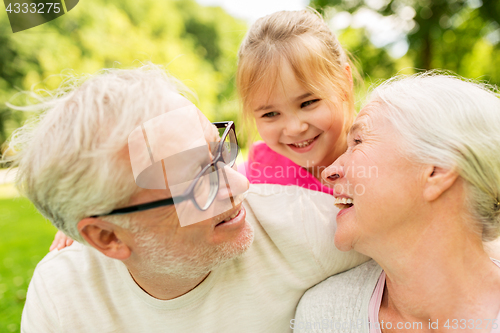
<point x="200" y="261"/>
<point x="236" y="247"/>
<point x="243" y="241"/>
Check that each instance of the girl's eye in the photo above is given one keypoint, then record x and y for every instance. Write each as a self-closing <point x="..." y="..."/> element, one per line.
<point x="270" y="114"/>
<point x="307" y="103"/>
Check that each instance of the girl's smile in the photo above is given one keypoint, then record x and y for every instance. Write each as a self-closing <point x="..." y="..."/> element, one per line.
<point x="304" y="146"/>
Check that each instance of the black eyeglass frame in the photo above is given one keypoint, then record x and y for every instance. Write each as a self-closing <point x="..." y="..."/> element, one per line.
<point x="189" y="193"/>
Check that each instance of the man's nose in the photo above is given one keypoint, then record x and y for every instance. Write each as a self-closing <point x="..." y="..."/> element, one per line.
<point x="232" y="184"/>
<point x="295" y="126"/>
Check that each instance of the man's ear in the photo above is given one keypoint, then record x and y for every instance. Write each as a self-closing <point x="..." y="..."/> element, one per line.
<point x="437" y="181"/>
<point x="104" y="237"/>
<point x="349" y="74"/>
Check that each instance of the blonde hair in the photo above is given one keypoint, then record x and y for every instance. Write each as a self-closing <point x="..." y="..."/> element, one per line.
<point x="73" y="158"/>
<point x="450" y="122"/>
<point x="303" y="40"/>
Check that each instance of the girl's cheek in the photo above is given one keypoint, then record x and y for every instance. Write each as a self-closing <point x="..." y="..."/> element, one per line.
<point x="272" y="131"/>
<point x="262" y="127"/>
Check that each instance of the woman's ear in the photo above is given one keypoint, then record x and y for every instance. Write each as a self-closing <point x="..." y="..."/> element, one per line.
<point x="105" y="237"/>
<point x="349" y="74"/>
<point x="437" y="181"/>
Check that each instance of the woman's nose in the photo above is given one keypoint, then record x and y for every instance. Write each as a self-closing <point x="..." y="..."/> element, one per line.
<point x="333" y="172"/>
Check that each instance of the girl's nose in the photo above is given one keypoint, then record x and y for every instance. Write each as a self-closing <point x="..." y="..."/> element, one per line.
<point x="295" y="126"/>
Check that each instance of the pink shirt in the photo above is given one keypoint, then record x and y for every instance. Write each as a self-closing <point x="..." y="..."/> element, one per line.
<point x="265" y="166"/>
<point x="376" y="300"/>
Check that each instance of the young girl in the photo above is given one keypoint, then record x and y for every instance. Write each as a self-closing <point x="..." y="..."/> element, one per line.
<point x="295" y="82"/>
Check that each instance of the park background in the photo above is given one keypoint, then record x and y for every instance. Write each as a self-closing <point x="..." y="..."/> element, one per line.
<point x="198" y="43"/>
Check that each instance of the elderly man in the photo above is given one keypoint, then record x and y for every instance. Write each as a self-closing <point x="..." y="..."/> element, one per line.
<point x="134" y="171"/>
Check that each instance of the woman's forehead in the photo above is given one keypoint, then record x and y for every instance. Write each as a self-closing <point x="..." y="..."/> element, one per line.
<point x="370" y="117"/>
<point x="371" y="109"/>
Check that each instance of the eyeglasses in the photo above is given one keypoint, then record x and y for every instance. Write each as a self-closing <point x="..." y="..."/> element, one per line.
<point x="203" y="190"/>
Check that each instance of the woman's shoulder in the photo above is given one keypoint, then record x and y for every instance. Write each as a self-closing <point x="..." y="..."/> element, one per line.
<point x="343" y="298"/>
<point x="348" y="282"/>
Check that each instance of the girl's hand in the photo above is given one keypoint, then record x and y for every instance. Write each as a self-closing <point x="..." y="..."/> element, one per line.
<point x="60" y="241"/>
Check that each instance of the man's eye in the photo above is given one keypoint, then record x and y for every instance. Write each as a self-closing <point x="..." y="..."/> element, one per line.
<point x="270" y="114"/>
<point x="307" y="103"/>
<point x="213" y="147"/>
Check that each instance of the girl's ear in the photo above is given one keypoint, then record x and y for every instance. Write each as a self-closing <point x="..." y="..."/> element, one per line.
<point x="349" y="74"/>
<point x="105" y="237"/>
<point x="437" y="181"/>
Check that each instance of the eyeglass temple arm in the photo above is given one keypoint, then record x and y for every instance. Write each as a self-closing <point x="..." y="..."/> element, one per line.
<point x="146" y="206"/>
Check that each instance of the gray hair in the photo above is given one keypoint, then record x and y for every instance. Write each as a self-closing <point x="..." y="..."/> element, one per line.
<point x="73" y="157"/>
<point x="450" y="122"/>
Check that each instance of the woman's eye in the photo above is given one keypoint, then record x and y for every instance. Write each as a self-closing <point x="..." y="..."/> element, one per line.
<point x="307" y="103"/>
<point x="270" y="114"/>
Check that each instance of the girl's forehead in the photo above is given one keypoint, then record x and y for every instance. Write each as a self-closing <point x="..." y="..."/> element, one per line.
<point x="285" y="90"/>
<point x="264" y="90"/>
<point x="281" y="79"/>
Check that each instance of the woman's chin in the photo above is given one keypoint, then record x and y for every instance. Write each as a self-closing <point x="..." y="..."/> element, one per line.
<point x="341" y="243"/>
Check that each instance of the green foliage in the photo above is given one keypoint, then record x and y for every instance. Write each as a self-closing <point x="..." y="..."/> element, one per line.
<point x="374" y="62"/>
<point x="198" y="45"/>
<point x="25" y="237"/>
<point x="459" y="35"/>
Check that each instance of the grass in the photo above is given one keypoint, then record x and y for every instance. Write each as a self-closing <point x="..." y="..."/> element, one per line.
<point x="25" y="237"/>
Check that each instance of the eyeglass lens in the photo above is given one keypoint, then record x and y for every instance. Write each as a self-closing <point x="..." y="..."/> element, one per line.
<point x="229" y="147"/>
<point x="207" y="186"/>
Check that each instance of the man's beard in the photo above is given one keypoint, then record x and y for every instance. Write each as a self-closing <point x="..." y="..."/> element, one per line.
<point x="164" y="260"/>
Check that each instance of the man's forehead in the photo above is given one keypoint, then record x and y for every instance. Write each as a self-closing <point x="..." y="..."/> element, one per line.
<point x="174" y="101"/>
<point x="167" y="135"/>
<point x="174" y="132"/>
<point x="177" y="102"/>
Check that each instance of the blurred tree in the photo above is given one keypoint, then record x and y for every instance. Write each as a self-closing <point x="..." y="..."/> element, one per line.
<point x="12" y="71"/>
<point x="197" y="44"/>
<point x="459" y="35"/>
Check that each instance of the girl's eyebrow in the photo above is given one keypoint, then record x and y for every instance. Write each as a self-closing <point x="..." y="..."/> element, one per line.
<point x="267" y="107"/>
<point x="303" y="96"/>
<point x="264" y="107"/>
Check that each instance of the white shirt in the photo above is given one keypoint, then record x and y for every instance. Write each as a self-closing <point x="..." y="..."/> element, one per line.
<point x="78" y="289"/>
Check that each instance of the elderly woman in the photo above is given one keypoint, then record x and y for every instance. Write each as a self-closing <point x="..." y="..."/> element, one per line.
<point x="418" y="191"/>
